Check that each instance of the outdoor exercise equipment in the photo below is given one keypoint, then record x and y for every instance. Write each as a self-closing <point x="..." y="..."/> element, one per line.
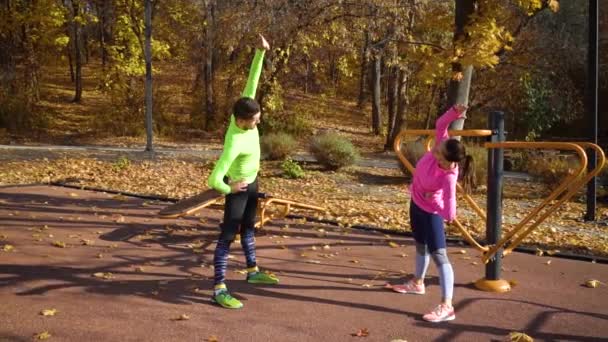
<point x="493" y="252"/>
<point x="191" y="205"/>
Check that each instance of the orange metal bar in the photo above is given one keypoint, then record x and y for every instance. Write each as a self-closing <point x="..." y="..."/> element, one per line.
<point x="265" y="203"/>
<point x="558" y="191"/>
<point x="412" y="169"/>
<point x="573" y="189"/>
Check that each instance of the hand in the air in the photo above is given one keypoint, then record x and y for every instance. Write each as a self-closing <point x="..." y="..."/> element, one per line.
<point x="462" y="109"/>
<point x="239" y="186"/>
<point x="265" y="44"/>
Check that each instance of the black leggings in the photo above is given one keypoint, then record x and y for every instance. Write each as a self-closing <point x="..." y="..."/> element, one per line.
<point x="239" y="211"/>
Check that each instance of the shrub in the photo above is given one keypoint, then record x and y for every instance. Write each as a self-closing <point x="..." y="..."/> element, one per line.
<point x="277" y="146"/>
<point x="292" y="169"/>
<point x="480" y="157"/>
<point x="552" y="170"/>
<point x="333" y="151"/>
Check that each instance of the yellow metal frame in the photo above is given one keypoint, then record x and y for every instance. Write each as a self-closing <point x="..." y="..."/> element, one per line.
<point x="567" y="189"/>
<point x="287" y="204"/>
<point x="431" y="133"/>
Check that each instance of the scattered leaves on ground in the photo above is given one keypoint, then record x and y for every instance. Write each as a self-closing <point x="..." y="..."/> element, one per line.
<point x="182" y="317"/>
<point x="59" y="244"/>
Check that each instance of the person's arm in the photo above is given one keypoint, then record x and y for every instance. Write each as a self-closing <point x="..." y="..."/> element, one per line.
<point x="255" y="70"/>
<point x="216" y="179"/>
<point x="443" y="122"/>
<point x="448" y="212"/>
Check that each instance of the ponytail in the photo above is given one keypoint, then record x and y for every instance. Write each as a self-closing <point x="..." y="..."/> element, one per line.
<point x="467" y="174"/>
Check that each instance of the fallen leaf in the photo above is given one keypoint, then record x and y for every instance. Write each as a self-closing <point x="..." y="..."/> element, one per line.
<point x="361" y="333"/>
<point x="59" y="244"/>
<point x="73" y="194"/>
<point x="240" y="271"/>
<point x="393" y="244"/>
<point x="212" y="338"/>
<point x="3" y="237"/>
<point x="48" y="312"/>
<point x="8" y="248"/>
<point x="520" y="337"/>
<point x="104" y="275"/>
<point x="86" y="242"/>
<point x="139" y="269"/>
<point x="99" y="256"/>
<point x="462" y="251"/>
<point x="182" y="317"/>
<point x="367" y="285"/>
<point x="43" y="335"/>
<point x="548" y="262"/>
<point x="355" y="261"/>
<point x="539" y="252"/>
<point x="592" y="283"/>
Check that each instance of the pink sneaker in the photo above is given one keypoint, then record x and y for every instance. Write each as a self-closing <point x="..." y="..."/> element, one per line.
<point x="440" y="314"/>
<point x="410" y="287"/>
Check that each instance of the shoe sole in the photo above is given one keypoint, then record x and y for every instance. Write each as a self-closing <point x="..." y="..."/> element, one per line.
<point x="407" y="292"/>
<point x="224" y="306"/>
<point x="450" y="318"/>
<point x="262" y="282"/>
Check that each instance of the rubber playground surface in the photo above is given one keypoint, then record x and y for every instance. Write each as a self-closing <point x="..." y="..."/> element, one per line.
<point x="113" y="271"/>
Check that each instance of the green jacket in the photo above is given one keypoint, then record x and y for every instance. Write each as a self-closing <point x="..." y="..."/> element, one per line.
<point x="240" y="159"/>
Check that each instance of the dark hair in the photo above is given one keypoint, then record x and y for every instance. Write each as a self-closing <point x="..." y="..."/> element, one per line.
<point x="456" y="152"/>
<point x="245" y="108"/>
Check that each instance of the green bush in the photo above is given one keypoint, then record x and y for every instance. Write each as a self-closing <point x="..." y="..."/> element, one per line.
<point x="276" y="146"/>
<point x="292" y="169"/>
<point x="334" y="151"/>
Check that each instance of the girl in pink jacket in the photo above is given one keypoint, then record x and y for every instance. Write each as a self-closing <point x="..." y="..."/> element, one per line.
<point x="433" y="200"/>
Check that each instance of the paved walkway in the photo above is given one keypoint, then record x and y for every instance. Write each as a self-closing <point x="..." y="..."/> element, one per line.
<point x="159" y="270"/>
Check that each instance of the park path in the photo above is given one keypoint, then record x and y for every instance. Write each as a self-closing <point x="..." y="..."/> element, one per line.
<point x="158" y="270"/>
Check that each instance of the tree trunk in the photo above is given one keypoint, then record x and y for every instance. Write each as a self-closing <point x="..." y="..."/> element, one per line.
<point x="30" y="71"/>
<point x="77" y="52"/>
<point x="376" y="68"/>
<point x="148" y="85"/>
<point x="307" y="75"/>
<point x="459" y="87"/>
<point x="402" y="106"/>
<point x="391" y="103"/>
<point x="209" y="72"/>
<point x="364" y="73"/>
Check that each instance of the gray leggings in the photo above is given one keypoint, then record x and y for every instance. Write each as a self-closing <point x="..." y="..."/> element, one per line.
<point x="446" y="273"/>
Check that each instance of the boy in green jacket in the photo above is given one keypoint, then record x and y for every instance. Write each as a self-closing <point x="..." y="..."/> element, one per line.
<point x="235" y="175"/>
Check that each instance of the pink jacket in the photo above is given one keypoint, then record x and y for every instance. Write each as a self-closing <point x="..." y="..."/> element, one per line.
<point x="434" y="189"/>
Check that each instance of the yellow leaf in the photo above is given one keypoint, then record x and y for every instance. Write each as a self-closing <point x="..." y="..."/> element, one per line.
<point x="43" y="335"/>
<point x="59" y="244"/>
<point x="520" y="337"/>
<point x="182" y="317"/>
<point x="367" y="285"/>
<point x="48" y="312"/>
<point x="554" y="5"/>
<point x="539" y="252"/>
<point x="212" y="338"/>
<point x="73" y="194"/>
<point x="8" y="248"/>
<point x="592" y="283"/>
<point x="393" y="244"/>
<point x="548" y="262"/>
<point x="355" y="261"/>
<point x="462" y="251"/>
<point x="104" y="275"/>
<point x="139" y="269"/>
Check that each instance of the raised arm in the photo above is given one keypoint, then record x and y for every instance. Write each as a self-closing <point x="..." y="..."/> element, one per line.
<point x="443" y="123"/>
<point x="256" y="70"/>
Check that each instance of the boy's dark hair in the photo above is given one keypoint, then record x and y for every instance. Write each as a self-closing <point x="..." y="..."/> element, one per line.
<point x="245" y="108"/>
<point x="457" y="153"/>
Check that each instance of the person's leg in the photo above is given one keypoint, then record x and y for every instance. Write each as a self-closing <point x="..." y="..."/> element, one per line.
<point x="437" y="247"/>
<point x="419" y="220"/>
<point x="248" y="227"/>
<point x="233" y="213"/>
<point x="254" y="275"/>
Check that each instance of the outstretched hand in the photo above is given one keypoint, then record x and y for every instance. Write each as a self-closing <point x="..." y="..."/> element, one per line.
<point x="462" y="109"/>
<point x="265" y="44"/>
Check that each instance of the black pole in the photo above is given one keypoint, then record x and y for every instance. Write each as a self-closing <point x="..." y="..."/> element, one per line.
<point x="592" y="88"/>
<point x="494" y="203"/>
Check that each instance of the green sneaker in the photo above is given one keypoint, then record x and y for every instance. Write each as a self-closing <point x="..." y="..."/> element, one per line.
<point x="227" y="301"/>
<point x="262" y="278"/>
